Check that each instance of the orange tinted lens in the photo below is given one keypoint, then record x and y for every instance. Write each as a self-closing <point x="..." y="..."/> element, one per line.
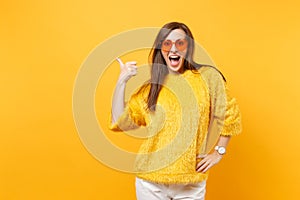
<point x="167" y="45"/>
<point x="181" y="44"/>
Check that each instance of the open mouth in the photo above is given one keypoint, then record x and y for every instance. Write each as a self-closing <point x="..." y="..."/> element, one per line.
<point x="174" y="60"/>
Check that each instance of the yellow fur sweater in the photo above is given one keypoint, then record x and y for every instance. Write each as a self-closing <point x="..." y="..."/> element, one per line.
<point x="192" y="110"/>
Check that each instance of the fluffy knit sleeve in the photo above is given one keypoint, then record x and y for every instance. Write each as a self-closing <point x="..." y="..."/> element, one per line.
<point x="232" y="121"/>
<point x="134" y="114"/>
<point x="225" y="114"/>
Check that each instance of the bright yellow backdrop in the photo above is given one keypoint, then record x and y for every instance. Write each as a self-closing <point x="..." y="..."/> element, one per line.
<point x="43" y="43"/>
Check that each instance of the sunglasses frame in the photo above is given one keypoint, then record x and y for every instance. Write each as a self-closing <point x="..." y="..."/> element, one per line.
<point x="179" y="48"/>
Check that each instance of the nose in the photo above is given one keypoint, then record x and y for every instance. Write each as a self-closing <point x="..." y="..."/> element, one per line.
<point x="173" y="48"/>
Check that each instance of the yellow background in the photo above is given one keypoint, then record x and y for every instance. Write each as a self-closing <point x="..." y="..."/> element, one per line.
<point x="43" y="43"/>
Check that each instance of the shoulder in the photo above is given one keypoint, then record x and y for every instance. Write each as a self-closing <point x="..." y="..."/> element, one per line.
<point x="211" y="74"/>
<point x="138" y="99"/>
<point x="142" y="91"/>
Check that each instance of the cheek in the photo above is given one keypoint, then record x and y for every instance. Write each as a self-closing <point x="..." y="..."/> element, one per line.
<point x="165" y="55"/>
<point x="184" y="53"/>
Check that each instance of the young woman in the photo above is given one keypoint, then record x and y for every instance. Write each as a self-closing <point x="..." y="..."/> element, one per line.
<point x="179" y="105"/>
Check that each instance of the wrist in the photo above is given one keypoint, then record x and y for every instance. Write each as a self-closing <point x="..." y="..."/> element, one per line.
<point x="221" y="150"/>
<point x="122" y="80"/>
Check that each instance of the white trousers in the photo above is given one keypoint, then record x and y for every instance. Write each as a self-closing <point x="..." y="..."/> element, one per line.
<point x="146" y="190"/>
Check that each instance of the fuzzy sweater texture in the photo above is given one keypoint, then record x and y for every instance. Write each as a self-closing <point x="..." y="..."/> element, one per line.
<point x="192" y="110"/>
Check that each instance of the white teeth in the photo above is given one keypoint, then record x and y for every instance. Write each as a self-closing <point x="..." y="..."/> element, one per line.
<point x="174" y="57"/>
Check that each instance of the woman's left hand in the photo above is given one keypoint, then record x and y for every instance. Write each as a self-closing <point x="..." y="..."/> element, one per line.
<point x="208" y="161"/>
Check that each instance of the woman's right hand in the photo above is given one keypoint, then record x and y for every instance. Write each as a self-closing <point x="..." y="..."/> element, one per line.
<point x="128" y="70"/>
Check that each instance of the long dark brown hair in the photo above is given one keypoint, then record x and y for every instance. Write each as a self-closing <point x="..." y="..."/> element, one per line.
<point x="159" y="68"/>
